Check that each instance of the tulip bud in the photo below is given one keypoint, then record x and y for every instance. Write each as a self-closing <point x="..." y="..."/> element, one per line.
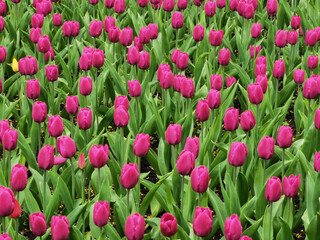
<point x="198" y="33"/>
<point x="18" y="178"/>
<point x="134" y="227"/>
<point x="108" y="23"/>
<point x="295" y="22"/>
<point x="101" y="212"/>
<point x="311" y="38"/>
<point x="7" y="201"/>
<point x="173" y="134"/>
<point x="262" y="80"/>
<point x="141" y="145"/>
<point x="231" y="119"/>
<point x="168" y="225"/>
<point x="168" y="5"/>
<point x="214" y="99"/>
<point x="192" y="145"/>
<point x="28" y="66"/>
<point x="174" y="57"/>
<point x="4" y="126"/>
<point x="221" y="3"/>
<point x="247" y="120"/>
<point x="254" y="51"/>
<point x="291" y="185"/>
<point x="16" y="212"/>
<point x="52" y="73"/>
<point x="293" y="37"/>
<point x="255" y="93"/>
<point x="232" y="228"/>
<point x="210" y="8"/>
<point x="166" y="80"/>
<point x="66" y="147"/>
<point x="35" y="34"/>
<point x="182" y="60"/>
<point x="284" y="137"/>
<point x="33" y="88"/>
<point x="216" y="82"/>
<point x="198" y="2"/>
<point x="38" y="224"/>
<point x="99" y="155"/>
<point x="237" y="154"/>
<point x="95" y="28"/>
<point x="224" y="57"/>
<point x="129" y="175"/>
<point x="137" y="43"/>
<point x="114" y="33"/>
<point x="316" y="120"/>
<point x="273" y="190"/>
<point x="177" y="19"/>
<point x="256" y="30"/>
<point x="5" y="236"/>
<point x="279" y="69"/>
<point x="202" y="222"/>
<point x="85" y="86"/>
<point x="245" y="238"/>
<point x="39" y="112"/>
<point x="133" y="55"/>
<point x="49" y="54"/>
<point x="2" y="23"/>
<point x="202" y="111"/>
<point x="81" y="161"/>
<point x="121" y="101"/>
<point x="60" y="228"/>
<point x="143" y="3"/>
<point x="310" y="88"/>
<point x="272" y="8"/>
<point x="121" y="117"/>
<point x="234" y="5"/>
<point x="153" y="29"/>
<point x="98" y="58"/>
<point x="37" y="20"/>
<point x="298" y="76"/>
<point x="185" y="163"/>
<point x="109" y="3"/>
<point x="44" y="7"/>
<point x="230" y="81"/>
<point x="144" y="61"/>
<point x="3" y="8"/>
<point x="266" y="148"/>
<point x="85" y="61"/>
<point x="84" y="118"/>
<point x="313" y="62"/>
<point x="187" y="88"/>
<point x="145" y="35"/>
<point x="119" y="6"/>
<point x="126" y="36"/>
<point x="46" y="157"/>
<point x="261" y="69"/>
<point x="57" y="20"/>
<point x="215" y="37"/>
<point x="281" y="38"/>
<point x="72" y="105"/>
<point x="200" y="179"/>
<point x="316" y="164"/>
<point x="10" y="139"/>
<point x="182" y="4"/>
<point x="134" y="88"/>
<point x="44" y="44"/>
<point x="55" y="126"/>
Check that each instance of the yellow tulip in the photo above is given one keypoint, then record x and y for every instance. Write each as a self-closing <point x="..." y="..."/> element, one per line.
<point x="15" y="67"/>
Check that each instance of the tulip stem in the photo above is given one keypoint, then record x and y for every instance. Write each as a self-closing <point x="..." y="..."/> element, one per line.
<point x="52" y="98"/>
<point x="44" y="189"/>
<point x="71" y="119"/>
<point x="182" y="190"/>
<point x="128" y="201"/>
<point x="202" y="134"/>
<point x="4" y="224"/>
<point x="283" y="156"/>
<point x="99" y="178"/>
<point x="85" y="143"/>
<point x="234" y="175"/>
<point x="39" y="140"/>
<point x="214" y="60"/>
<point x="264" y="170"/>
<point x="121" y="146"/>
<point x="309" y="110"/>
<point x="271" y="226"/>
<point x="73" y="180"/>
<point x="177" y="35"/>
<point x="17" y="227"/>
<point x="113" y="52"/>
<point x="83" y="185"/>
<point x="9" y="167"/>
<point x="199" y="199"/>
<point x="288" y="210"/>
<point x="173" y="151"/>
<point x="276" y="92"/>
<point x="16" y="11"/>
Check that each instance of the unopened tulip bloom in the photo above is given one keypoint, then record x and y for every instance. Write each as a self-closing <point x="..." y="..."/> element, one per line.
<point x="119" y="6"/>
<point x="316" y="120"/>
<point x="198" y="33"/>
<point x="52" y="73"/>
<point x="144" y="60"/>
<point x="85" y="86"/>
<point x="133" y="55"/>
<point x="295" y="22"/>
<point x="284" y="137"/>
<point x="108" y="23"/>
<point x="273" y="190"/>
<point x="126" y="36"/>
<point x="202" y="111"/>
<point x="66" y="147"/>
<point x="121" y="101"/>
<point x="137" y="43"/>
<point x="168" y="225"/>
<point x="224" y="57"/>
<point x="232" y="228"/>
<point x="98" y="58"/>
<point x="33" y="88"/>
<point x="291" y="185"/>
<point x="4" y="126"/>
<point x="44" y="7"/>
<point x="57" y="20"/>
<point x="5" y="236"/>
<point x="261" y="69"/>
<point x="182" y="4"/>
<point x="245" y="238"/>
<point x="121" y="117"/>
<point x="18" y="178"/>
<point x="3" y="8"/>
<point x="173" y="134"/>
<point x="298" y="76"/>
<point x="134" y="227"/>
<point x="233" y="5"/>
<point x="37" y="20"/>
<point x="210" y="8"/>
<point x="114" y="33"/>
<point x="230" y="81"/>
<point x="216" y="82"/>
<point x="200" y="179"/>
<point x="174" y="57"/>
<point x="84" y="118"/>
<point x="202" y="221"/>
<point x="166" y="80"/>
<point x="72" y="105"/>
<point x="221" y="3"/>
<point x="263" y="81"/>
<point x="95" y="28"/>
<point x="85" y="61"/>
<point x="247" y="120"/>
<point x="38" y="224"/>
<point x="281" y="38"/>
<point x="46" y="157"/>
<point x="279" y="69"/>
<point x="311" y="38"/>
<point x="316" y="164"/>
<point x="266" y="148"/>
<point x="60" y="228"/>
<point x="70" y="28"/>
<point x="28" y="66"/>
<point x="109" y="3"/>
<point x="39" y="112"/>
<point x="134" y="88"/>
<point x="3" y="54"/>
<point x="7" y="201"/>
<point x="153" y="30"/>
<point x="192" y="145"/>
<point x="177" y="20"/>
<point x="141" y="145"/>
<point x="310" y="88"/>
<point x="44" y="44"/>
<point x="10" y="139"/>
<point x="99" y="155"/>
<point x="272" y="8"/>
<point x="182" y="60"/>
<point x="35" y="34"/>
<point x="187" y="88"/>
<point x="256" y="30"/>
<point x="168" y="5"/>
<point x="231" y="119"/>
<point x="101" y="212"/>
<point x="49" y="55"/>
<point x="129" y="175"/>
<point x="55" y="126"/>
<point x="2" y="24"/>
<point x="255" y="93"/>
<point x="214" y="99"/>
<point x="94" y="2"/>
<point x="293" y="37"/>
<point x="237" y="154"/>
<point x="254" y="51"/>
<point x="215" y="37"/>
<point x="143" y="3"/>
<point x="81" y="161"/>
<point x="185" y="163"/>
<point x="16" y="212"/>
<point x="313" y="62"/>
<point x="145" y="35"/>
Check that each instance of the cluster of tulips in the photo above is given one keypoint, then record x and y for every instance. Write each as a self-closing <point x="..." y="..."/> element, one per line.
<point x="102" y="89"/>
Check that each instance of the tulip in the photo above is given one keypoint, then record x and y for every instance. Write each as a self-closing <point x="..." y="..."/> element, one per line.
<point x="262" y="80"/>
<point x="18" y="178"/>
<point x="121" y="117"/>
<point x="2" y="23"/>
<point x="44" y="44"/>
<point x="168" y="225"/>
<point x="281" y="38"/>
<point x="284" y="137"/>
<point x="166" y="80"/>
<point x="231" y="119"/>
<point x="35" y="34"/>
<point x="272" y="8"/>
<point x="133" y="55"/>
<point x="129" y="175"/>
<point x="168" y="5"/>
<point x="134" y="227"/>
<point x="232" y="228"/>
<point x="119" y="6"/>
<point x="197" y="2"/>
<point x="3" y="54"/>
<point x="234" y="5"/>
<point x="273" y="190"/>
<point x="145" y="35"/>
<point x="5" y="236"/>
<point x="177" y="19"/>
<point x="95" y="28"/>
<point x="200" y="179"/>
<point x="316" y="120"/>
<point x="298" y="76"/>
<point x="279" y="69"/>
<point x="108" y="23"/>
<point x="187" y="88"/>
<point x="85" y="86"/>
<point x="256" y="30"/>
<point x="55" y="126"/>
<point x="137" y="43"/>
<point x="260" y="69"/>
<point x="134" y="88"/>
<point x="311" y="38"/>
<point x="261" y="60"/>
<point x="237" y="154"/>
<point x="254" y="51"/>
<point x="293" y="37"/>
<point x="37" y="20"/>
<point x="221" y="3"/>
<point x="266" y="148"/>
<point x="141" y="145"/>
<point x="313" y="62"/>
<point x="28" y="66"/>
<point x="66" y="147"/>
<point x="174" y="57"/>
<point x="202" y="221"/>
<point x="230" y="81"/>
<point x="198" y="33"/>
<point x="310" y="89"/>
<point x="143" y="3"/>
<point x="70" y="28"/>
<point x="4" y="126"/>
<point x="144" y="60"/>
<point x="39" y="112"/>
<point x="291" y="185"/>
<point x="192" y="145"/>
<point x="173" y="134"/>
<point x="121" y="101"/>
<point x="57" y="20"/>
<point x="185" y="163"/>
<point x="114" y="33"/>
<point x="52" y="73"/>
<point x="72" y="105"/>
<point x="216" y="82"/>
<point x="163" y="67"/>
<point x="255" y="93"/>
<point x="224" y="57"/>
<point x="16" y="212"/>
<point x="38" y="224"/>
<point x="109" y="3"/>
<point x="46" y="157"/>
<point x="33" y="88"/>
<point x="182" y="4"/>
<point x="153" y="30"/>
<point x="44" y="7"/>
<point x="3" y="8"/>
<point x="49" y="55"/>
<point x="60" y="228"/>
<point x="10" y="139"/>
<point x="245" y="238"/>
<point x="126" y="36"/>
<point x="98" y="58"/>
<point x="295" y="22"/>
<point x="214" y="99"/>
<point x="7" y="201"/>
<point x="202" y="111"/>
<point x="210" y="8"/>
<point x="84" y="118"/>
<point x="247" y="120"/>
<point x="316" y="164"/>
<point x="99" y="155"/>
<point x="85" y="61"/>
<point x="182" y="61"/>
<point x="101" y="213"/>
<point x="215" y="37"/>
